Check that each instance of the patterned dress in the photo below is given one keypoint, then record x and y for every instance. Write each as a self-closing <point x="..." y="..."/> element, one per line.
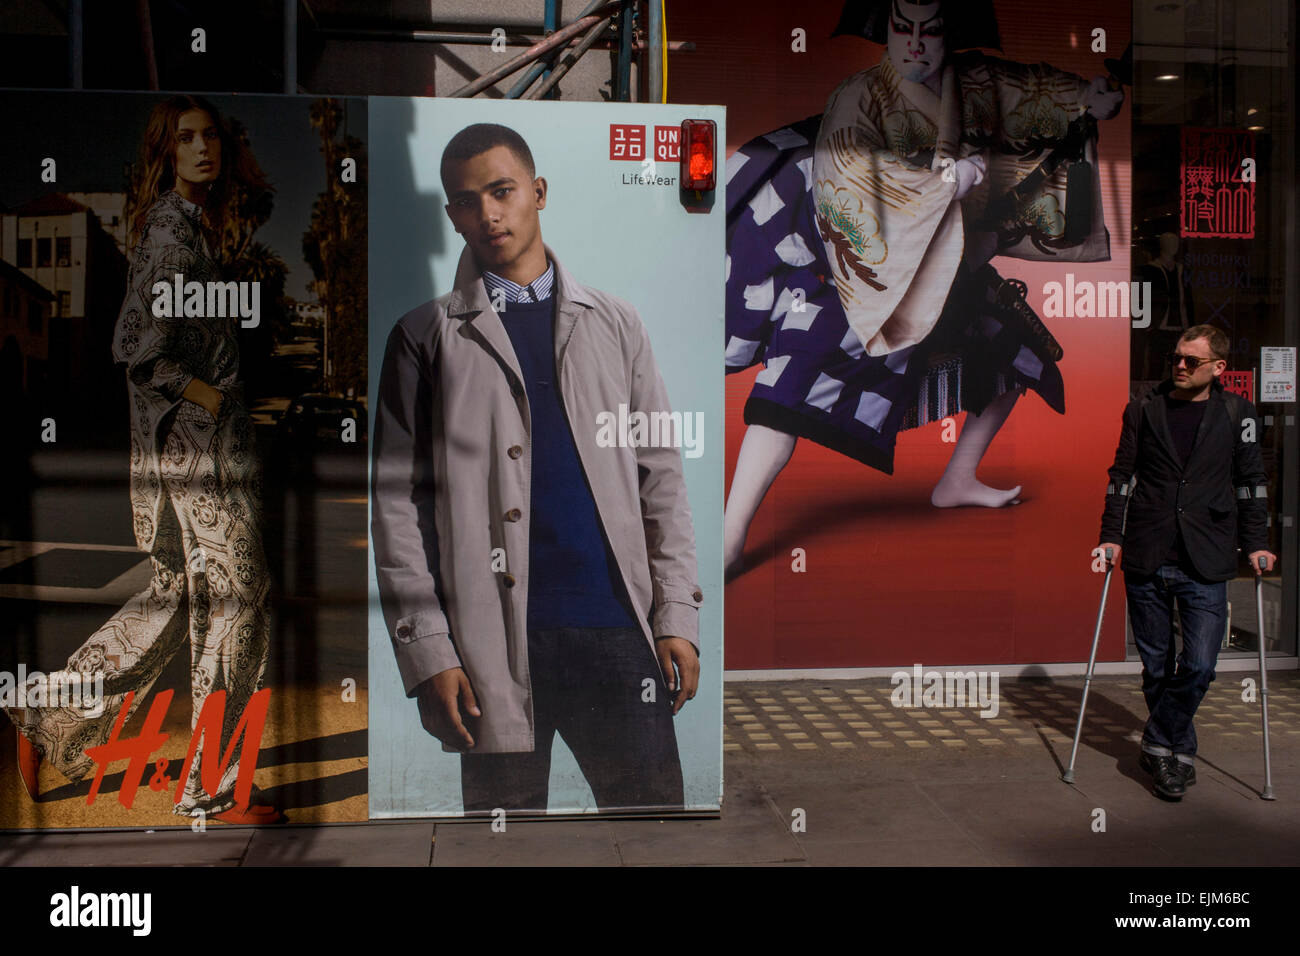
<point x="195" y="499"/>
<point x="836" y="228"/>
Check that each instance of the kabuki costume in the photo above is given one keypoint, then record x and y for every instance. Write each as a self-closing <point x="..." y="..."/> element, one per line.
<point x="846" y="276"/>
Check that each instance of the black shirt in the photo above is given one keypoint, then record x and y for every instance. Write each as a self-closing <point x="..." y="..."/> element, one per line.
<point x="1184" y="421"/>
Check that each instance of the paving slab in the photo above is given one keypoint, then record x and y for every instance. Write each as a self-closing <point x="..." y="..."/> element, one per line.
<point x="783" y="864"/>
<point x="217" y="846"/>
<point x="1128" y="791"/>
<point x="525" y="842"/>
<point x="751" y="830"/>
<point x="375" y="844"/>
<point x="1216" y="824"/>
<point x="945" y="852"/>
<point x="861" y="814"/>
<point x="1019" y="823"/>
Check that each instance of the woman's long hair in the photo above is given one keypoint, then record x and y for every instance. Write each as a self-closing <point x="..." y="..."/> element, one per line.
<point x="238" y="201"/>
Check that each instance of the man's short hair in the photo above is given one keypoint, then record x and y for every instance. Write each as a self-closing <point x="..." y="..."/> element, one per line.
<point x="1218" y="342"/>
<point x="479" y="138"/>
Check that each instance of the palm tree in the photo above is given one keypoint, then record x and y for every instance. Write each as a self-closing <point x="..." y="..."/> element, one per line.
<point x="334" y="246"/>
<point x="262" y="264"/>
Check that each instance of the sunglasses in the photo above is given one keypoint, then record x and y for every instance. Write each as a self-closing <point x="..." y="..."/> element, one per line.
<point x="1191" y="361"/>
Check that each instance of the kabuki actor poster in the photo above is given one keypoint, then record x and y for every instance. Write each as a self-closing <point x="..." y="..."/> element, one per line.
<point x="546" y="480"/>
<point x="927" y="321"/>
<point x="182" y="526"/>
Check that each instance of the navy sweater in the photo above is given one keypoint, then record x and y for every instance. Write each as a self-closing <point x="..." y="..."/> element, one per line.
<point x="573" y="580"/>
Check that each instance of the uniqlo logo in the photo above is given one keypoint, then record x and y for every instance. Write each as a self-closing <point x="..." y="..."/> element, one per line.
<point x="1243" y="383"/>
<point x="667" y="143"/>
<point x="626" y="142"/>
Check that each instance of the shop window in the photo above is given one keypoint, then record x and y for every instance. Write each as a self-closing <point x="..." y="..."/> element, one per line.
<point x="1214" y="125"/>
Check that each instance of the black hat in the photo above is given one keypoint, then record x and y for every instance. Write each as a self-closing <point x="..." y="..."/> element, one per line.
<point x="967" y="23"/>
<point x="1122" y="69"/>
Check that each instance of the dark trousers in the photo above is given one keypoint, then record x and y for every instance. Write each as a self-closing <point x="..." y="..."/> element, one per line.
<point x="1174" y="684"/>
<point x="589" y="685"/>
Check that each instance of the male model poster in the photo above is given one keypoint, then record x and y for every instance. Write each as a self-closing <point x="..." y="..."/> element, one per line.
<point x="547" y="462"/>
<point x="924" y="201"/>
<point x="182" y="532"/>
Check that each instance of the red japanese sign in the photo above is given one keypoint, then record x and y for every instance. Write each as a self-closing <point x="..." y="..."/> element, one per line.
<point x="667" y="144"/>
<point x="1218" y="185"/>
<point x="626" y="142"/>
<point x="1243" y="383"/>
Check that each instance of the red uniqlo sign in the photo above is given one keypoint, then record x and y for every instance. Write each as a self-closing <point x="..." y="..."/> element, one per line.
<point x="1243" y="383"/>
<point x="1217" y="202"/>
<point x="626" y="142"/>
<point x="668" y="143"/>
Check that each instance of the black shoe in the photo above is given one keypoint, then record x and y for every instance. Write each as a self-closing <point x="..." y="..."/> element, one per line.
<point x="1170" y="782"/>
<point x="1148" y="762"/>
<point x="1189" y="773"/>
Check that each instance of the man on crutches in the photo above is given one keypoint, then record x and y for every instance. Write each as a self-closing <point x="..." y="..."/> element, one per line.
<point x="1201" y="493"/>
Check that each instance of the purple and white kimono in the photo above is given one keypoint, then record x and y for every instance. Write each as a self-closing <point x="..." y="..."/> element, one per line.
<point x="846" y="272"/>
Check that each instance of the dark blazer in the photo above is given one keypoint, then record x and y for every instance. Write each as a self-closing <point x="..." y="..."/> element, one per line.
<point x="1218" y="498"/>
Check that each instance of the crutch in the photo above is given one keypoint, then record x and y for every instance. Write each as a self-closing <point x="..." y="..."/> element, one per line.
<point x="1068" y="776"/>
<point x="1127" y="491"/>
<point x="1267" y="794"/>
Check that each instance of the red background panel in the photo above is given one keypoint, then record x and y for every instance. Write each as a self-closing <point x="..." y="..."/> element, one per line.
<point x="891" y="580"/>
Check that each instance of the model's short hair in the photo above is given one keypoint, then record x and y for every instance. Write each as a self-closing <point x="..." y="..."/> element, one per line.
<point x="479" y="138"/>
<point x="1218" y="342"/>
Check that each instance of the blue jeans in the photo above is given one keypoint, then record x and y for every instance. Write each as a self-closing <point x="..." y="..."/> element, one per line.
<point x="1175" y="684"/>
<point x="589" y="687"/>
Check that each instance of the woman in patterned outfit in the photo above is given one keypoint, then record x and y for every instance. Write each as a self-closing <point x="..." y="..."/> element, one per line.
<point x="194" y="472"/>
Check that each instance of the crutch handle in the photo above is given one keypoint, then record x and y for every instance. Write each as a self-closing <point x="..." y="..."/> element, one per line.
<point x="1262" y="562"/>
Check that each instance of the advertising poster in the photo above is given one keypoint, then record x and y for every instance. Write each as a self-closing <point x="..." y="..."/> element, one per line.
<point x="928" y="315"/>
<point x="182" y="540"/>
<point x="546" y="490"/>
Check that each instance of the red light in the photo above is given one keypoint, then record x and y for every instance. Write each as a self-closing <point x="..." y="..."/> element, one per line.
<point x="697" y="154"/>
<point x="701" y="161"/>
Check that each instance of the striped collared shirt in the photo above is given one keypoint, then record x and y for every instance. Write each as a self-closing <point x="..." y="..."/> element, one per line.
<point x="536" y="291"/>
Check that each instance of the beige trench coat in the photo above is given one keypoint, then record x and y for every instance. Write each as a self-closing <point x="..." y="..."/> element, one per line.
<point x="451" y="481"/>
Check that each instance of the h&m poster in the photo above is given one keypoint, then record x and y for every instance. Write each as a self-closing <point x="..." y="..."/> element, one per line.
<point x="182" y="533"/>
